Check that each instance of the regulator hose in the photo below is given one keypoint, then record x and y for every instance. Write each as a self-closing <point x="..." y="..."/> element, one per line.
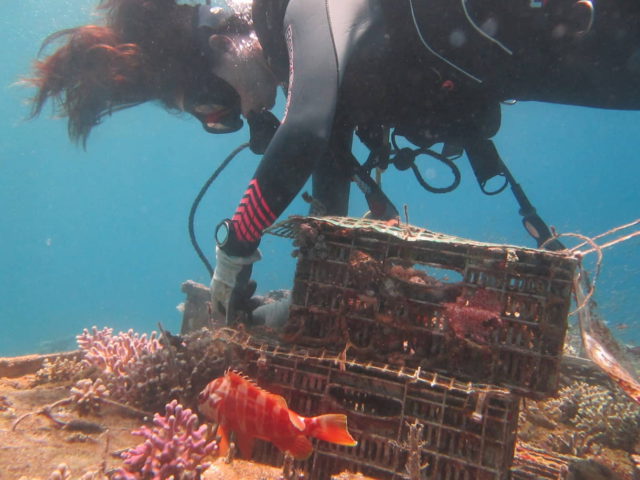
<point x="196" y="203"/>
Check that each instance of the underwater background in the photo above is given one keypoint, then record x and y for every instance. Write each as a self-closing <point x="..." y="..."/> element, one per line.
<point x="99" y="237"/>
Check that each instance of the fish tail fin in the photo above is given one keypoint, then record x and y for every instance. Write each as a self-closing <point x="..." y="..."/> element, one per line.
<point x="330" y="428"/>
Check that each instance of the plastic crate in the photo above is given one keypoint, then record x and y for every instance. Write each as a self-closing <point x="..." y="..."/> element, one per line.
<point x="487" y="313"/>
<point x="461" y="431"/>
<point x="534" y="464"/>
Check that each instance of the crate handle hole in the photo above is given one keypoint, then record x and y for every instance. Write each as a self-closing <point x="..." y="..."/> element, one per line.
<point x="364" y="402"/>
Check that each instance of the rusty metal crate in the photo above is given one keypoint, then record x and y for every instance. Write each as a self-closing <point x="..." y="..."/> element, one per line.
<point x="487" y="313"/>
<point x="403" y="418"/>
<point x="531" y="463"/>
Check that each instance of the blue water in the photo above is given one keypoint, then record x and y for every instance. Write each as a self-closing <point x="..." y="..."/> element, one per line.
<point x="99" y="237"/>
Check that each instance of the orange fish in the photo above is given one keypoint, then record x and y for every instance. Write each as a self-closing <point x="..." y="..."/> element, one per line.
<point x="239" y="405"/>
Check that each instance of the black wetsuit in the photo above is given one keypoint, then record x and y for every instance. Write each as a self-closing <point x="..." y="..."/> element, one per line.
<point x="319" y="50"/>
<point x="437" y="67"/>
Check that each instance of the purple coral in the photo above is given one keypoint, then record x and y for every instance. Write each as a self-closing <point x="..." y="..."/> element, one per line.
<point x="174" y="447"/>
<point x="112" y="353"/>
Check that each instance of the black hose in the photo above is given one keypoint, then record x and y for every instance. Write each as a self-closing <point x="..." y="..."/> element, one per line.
<point x="196" y="203"/>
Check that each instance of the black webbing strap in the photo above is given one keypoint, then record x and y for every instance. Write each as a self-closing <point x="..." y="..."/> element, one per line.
<point x="380" y="206"/>
<point x="486" y="164"/>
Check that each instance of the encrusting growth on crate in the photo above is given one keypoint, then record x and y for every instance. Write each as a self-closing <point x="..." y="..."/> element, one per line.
<point x="414" y="465"/>
<point x="488" y="313"/>
<point x="474" y="319"/>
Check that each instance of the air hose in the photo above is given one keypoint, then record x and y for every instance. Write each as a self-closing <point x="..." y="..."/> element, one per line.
<point x="196" y="203"/>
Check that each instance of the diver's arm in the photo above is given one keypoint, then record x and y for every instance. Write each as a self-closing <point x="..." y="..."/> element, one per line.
<point x="320" y="37"/>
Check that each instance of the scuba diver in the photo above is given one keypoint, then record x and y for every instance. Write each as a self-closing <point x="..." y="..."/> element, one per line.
<point x="434" y="71"/>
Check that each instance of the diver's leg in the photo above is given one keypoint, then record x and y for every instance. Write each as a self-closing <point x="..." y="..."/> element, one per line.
<point x="352" y="22"/>
<point x="331" y="178"/>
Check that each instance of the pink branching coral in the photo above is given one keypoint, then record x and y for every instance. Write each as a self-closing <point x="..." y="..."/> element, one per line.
<point x="112" y="354"/>
<point x="88" y="395"/>
<point x="173" y="448"/>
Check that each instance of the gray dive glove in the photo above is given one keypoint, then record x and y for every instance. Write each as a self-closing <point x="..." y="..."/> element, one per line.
<point x="231" y="285"/>
<point x="272" y="309"/>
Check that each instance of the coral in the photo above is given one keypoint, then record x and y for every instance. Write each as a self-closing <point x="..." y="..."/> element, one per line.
<point x="63" y="472"/>
<point x="111" y="353"/>
<point x="87" y="339"/>
<point x="600" y="415"/>
<point x="87" y="395"/>
<point x="179" y="368"/>
<point x="5" y="403"/>
<point x="94" y="475"/>
<point x="60" y="473"/>
<point x="145" y="371"/>
<point x="533" y="414"/>
<point x="61" y="369"/>
<point x="577" y="443"/>
<point x="179" y="371"/>
<point x="174" y="448"/>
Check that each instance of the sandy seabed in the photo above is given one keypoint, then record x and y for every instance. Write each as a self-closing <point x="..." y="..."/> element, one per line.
<point x="37" y="446"/>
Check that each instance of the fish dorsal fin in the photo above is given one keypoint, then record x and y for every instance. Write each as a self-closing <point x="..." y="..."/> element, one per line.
<point x="282" y="403"/>
<point x="238" y="378"/>
<point x="279" y="399"/>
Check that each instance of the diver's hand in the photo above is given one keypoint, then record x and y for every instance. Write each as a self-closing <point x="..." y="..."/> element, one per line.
<point x="272" y="309"/>
<point x="231" y="285"/>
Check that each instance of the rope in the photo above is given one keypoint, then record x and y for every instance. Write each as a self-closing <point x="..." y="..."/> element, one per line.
<point x="609" y="232"/>
<point x="596" y="248"/>
<point x="613" y="242"/>
<point x="591" y="241"/>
